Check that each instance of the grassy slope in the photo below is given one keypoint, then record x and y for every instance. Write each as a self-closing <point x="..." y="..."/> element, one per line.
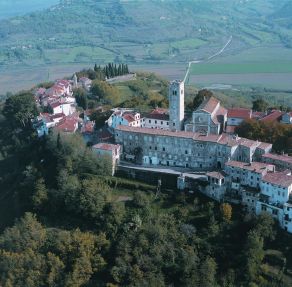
<point x="166" y="30"/>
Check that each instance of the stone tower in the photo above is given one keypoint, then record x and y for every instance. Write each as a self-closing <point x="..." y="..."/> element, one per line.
<point x="75" y="84"/>
<point x="176" y="105"/>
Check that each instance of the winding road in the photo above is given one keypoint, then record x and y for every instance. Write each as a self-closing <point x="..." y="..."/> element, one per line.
<point x="209" y="58"/>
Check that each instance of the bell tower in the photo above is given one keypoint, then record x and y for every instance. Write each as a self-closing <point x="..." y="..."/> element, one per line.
<point x="176" y="105"/>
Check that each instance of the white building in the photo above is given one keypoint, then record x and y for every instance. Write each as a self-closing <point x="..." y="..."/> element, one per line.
<point x="280" y="161"/>
<point x="124" y="117"/>
<point x="275" y="197"/>
<point x="113" y="151"/>
<point x="157" y="119"/>
<point x="217" y="185"/>
<point x="176" y="105"/>
<point x="247" y="174"/>
<point x="61" y="107"/>
<point x="235" y="117"/>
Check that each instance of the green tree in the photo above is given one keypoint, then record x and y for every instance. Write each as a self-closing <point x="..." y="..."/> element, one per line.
<point x="260" y="105"/>
<point x="81" y="97"/>
<point x="20" y="109"/>
<point x="254" y="254"/>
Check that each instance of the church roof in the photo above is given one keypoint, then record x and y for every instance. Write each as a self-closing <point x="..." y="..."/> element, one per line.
<point x="209" y="105"/>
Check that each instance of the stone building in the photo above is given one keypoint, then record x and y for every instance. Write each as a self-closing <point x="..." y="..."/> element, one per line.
<point x="176" y="105"/>
<point x="186" y="149"/>
<point x="209" y="118"/>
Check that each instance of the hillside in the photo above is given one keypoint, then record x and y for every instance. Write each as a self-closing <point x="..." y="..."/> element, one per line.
<point x="138" y="31"/>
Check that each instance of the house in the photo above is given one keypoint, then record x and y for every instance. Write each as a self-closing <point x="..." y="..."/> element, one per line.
<point x="40" y="126"/>
<point x="280" y="161"/>
<point x="275" y="197"/>
<point x="247" y="174"/>
<point x="87" y="130"/>
<point x="272" y="116"/>
<point x="287" y="118"/>
<point x="113" y="151"/>
<point x="68" y="125"/>
<point x="61" y="107"/>
<point x="235" y="117"/>
<point x="209" y="118"/>
<point x="124" y="117"/>
<point x="85" y="83"/>
<point x="156" y="119"/>
<point x="217" y="185"/>
<point x="249" y="198"/>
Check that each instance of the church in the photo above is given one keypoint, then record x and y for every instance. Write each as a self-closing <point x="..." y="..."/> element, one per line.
<point x="200" y="145"/>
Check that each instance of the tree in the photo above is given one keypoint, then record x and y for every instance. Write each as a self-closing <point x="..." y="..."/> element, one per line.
<point x="200" y="97"/>
<point x="20" y="109"/>
<point x="254" y="254"/>
<point x="81" y="97"/>
<point x="208" y="272"/>
<point x="226" y="211"/>
<point x="105" y="92"/>
<point x="40" y="195"/>
<point x="260" y="105"/>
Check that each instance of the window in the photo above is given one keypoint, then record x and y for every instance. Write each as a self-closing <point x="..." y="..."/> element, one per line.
<point x="156" y="148"/>
<point x="163" y="148"/>
<point x="161" y="122"/>
<point x="156" y="122"/>
<point x="186" y="152"/>
<point x="149" y="121"/>
<point x="150" y="147"/>
<point x="167" y="123"/>
<point x="173" y="124"/>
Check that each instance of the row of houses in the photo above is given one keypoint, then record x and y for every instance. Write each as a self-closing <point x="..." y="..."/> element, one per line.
<point x="211" y="117"/>
<point x="258" y="186"/>
<point x="60" y="105"/>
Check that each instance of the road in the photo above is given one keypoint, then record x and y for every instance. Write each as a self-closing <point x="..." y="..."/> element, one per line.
<point x="209" y="58"/>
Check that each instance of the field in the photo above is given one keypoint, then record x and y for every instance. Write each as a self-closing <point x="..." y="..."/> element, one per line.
<point x="243" y="68"/>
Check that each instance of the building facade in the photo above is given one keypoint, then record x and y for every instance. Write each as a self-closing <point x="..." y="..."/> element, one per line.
<point x="176" y="105"/>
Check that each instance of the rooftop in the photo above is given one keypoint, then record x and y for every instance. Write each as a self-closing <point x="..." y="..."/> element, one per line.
<point x="216" y="174"/>
<point x="240" y="113"/>
<point x="284" y="158"/>
<point x="209" y="105"/>
<point x="272" y="116"/>
<point x="283" y="179"/>
<point x="106" y="146"/>
<point x="257" y="167"/>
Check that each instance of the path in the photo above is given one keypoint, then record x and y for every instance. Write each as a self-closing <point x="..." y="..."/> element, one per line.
<point x="209" y="58"/>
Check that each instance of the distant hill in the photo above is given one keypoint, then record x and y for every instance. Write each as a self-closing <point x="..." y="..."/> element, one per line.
<point x="139" y="31"/>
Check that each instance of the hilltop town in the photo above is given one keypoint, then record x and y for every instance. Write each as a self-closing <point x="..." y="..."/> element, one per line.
<point x="236" y="170"/>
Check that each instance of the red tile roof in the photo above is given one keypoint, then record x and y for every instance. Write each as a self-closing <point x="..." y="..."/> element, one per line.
<point x="216" y="174"/>
<point x="68" y="124"/>
<point x="257" y="167"/>
<point x="257" y="115"/>
<point x="273" y="116"/>
<point x="283" y="158"/>
<point x="129" y="117"/>
<point x="283" y="179"/>
<point x="209" y="105"/>
<point x="239" y="113"/>
<point x="161" y="117"/>
<point x="106" y="146"/>
<point x="159" y="111"/>
<point x="223" y="139"/>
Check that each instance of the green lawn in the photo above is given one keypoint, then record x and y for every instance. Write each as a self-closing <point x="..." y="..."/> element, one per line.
<point x="246" y="68"/>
